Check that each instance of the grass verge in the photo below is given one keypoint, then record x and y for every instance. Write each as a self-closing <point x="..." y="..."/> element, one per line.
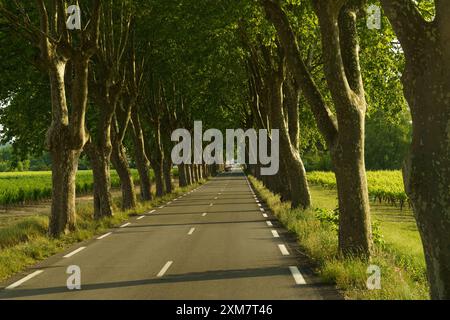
<point x="25" y="243"/>
<point x="401" y="279"/>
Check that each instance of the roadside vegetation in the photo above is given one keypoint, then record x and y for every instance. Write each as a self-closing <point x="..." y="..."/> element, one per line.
<point x="403" y="273"/>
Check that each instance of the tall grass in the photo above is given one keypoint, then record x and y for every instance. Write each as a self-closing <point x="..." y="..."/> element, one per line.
<point x="319" y="241"/>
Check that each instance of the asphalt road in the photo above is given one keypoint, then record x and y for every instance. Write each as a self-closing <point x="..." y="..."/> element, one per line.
<point x="216" y="242"/>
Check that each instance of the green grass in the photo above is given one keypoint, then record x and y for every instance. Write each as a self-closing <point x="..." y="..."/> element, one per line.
<point x="22" y="187"/>
<point x="24" y="243"/>
<point x="400" y="258"/>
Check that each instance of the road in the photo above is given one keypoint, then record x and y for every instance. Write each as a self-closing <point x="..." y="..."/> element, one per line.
<point x="216" y="242"/>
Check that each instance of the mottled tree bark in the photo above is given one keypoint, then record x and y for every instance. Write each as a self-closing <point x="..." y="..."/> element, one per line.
<point x="142" y="162"/>
<point x="167" y="168"/>
<point x="426" y="172"/>
<point x="182" y="176"/>
<point x="340" y="43"/>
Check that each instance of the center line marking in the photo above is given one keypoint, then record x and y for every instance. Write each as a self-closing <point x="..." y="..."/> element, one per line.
<point x="21" y="281"/>
<point x="191" y="231"/>
<point x="164" y="269"/>
<point x="104" y="236"/>
<point x="283" y="249"/>
<point x="74" y="252"/>
<point x="204" y="214"/>
<point x="269" y="223"/>
<point x="275" y="234"/>
<point x="125" y="225"/>
<point x="141" y="217"/>
<point x="297" y="275"/>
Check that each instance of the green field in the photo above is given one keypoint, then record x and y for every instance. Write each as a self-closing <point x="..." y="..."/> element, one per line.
<point x="384" y="186"/>
<point x="22" y="187"/>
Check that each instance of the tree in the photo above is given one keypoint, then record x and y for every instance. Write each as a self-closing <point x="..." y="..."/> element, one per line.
<point x="427" y="168"/>
<point x="338" y="29"/>
<point x="66" y="137"/>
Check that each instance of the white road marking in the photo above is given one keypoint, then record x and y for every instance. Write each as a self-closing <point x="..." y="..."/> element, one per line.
<point x="191" y="231"/>
<point x="164" y="269"/>
<point x="169" y="202"/>
<point x="152" y="211"/>
<point x="74" y="252"/>
<point x="265" y="215"/>
<point x="141" y="217"/>
<point x="204" y="214"/>
<point x="257" y="201"/>
<point x="297" y="275"/>
<point x="259" y="205"/>
<point x="283" y="249"/>
<point x="104" y="236"/>
<point x="262" y="209"/>
<point x="216" y="198"/>
<point x="23" y="280"/>
<point x="211" y="204"/>
<point x="161" y="207"/>
<point x="125" y="225"/>
<point x="275" y="234"/>
<point x="269" y="223"/>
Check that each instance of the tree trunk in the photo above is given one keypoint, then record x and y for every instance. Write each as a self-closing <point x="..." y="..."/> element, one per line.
<point x="167" y="168"/>
<point x="194" y="174"/>
<point x="355" y="236"/>
<point x="142" y="163"/>
<point x="300" y="196"/>
<point x="159" y="178"/>
<point x="100" y="157"/>
<point x="427" y="168"/>
<point x="182" y="175"/>
<point x="64" y="170"/>
<point x="187" y="170"/>
<point x="120" y="162"/>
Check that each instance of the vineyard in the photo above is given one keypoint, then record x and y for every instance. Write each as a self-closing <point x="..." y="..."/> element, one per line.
<point x="23" y="187"/>
<point x="384" y="186"/>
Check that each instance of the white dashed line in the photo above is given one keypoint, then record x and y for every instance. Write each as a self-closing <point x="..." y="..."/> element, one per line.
<point x="283" y="249"/>
<point x="265" y="215"/>
<point x="297" y="275"/>
<point x="164" y="269"/>
<point x="170" y="202"/>
<point x="152" y="211"/>
<point x="125" y="225"/>
<point x="262" y="209"/>
<point x="23" y="280"/>
<point x="259" y="205"/>
<point x="104" y="236"/>
<point x="269" y="223"/>
<point x="74" y="252"/>
<point x="204" y="214"/>
<point x="275" y="234"/>
<point x="211" y="204"/>
<point x="191" y="231"/>
<point x="161" y="207"/>
<point x="141" y="217"/>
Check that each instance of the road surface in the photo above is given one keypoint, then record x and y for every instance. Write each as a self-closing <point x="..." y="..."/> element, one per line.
<point x="216" y="242"/>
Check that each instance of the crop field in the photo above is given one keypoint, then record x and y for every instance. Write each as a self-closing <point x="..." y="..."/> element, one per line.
<point x="384" y="186"/>
<point x="23" y="187"/>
